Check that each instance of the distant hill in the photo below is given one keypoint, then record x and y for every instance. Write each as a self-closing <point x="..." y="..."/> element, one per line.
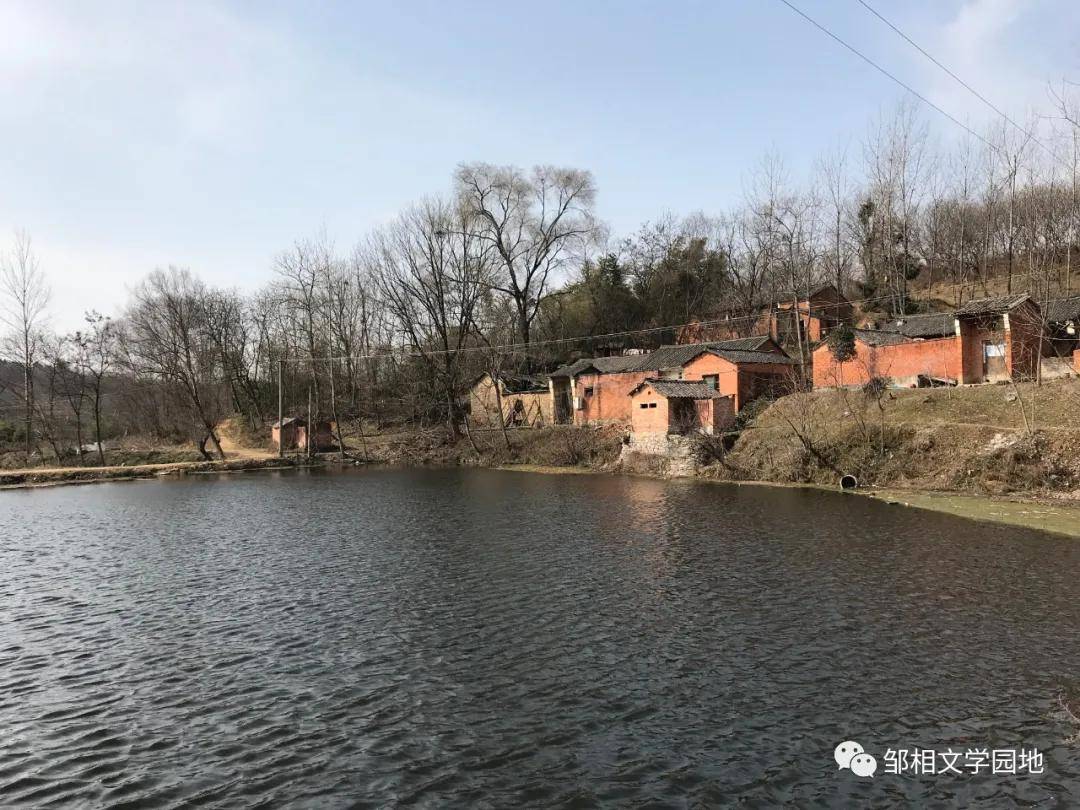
<point x="10" y="385"/>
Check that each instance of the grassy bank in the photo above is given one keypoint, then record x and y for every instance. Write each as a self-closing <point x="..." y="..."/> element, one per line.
<point x="992" y="439"/>
<point x="1057" y="517"/>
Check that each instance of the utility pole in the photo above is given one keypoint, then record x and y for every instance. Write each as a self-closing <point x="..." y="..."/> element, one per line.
<point x="307" y="430"/>
<point x="280" y="406"/>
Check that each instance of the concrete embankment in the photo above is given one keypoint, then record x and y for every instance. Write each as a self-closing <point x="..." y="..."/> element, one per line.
<point x="11" y="479"/>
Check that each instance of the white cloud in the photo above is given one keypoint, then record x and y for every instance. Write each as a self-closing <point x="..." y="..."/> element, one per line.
<point x="989" y="44"/>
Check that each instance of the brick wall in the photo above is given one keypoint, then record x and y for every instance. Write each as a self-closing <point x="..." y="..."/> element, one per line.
<point x="649" y="412"/>
<point x="971" y="337"/>
<point x="1024" y="341"/>
<point x="901" y="362"/>
<point x="723" y="413"/>
<point x="727" y="373"/>
<point x="742" y="382"/>
<point x="610" y="398"/>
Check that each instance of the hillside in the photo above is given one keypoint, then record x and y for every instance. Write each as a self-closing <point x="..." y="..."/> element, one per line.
<point x="991" y="439"/>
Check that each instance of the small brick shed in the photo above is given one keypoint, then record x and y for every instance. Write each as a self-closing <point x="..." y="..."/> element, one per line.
<point x="660" y="407"/>
<point x="291" y="434"/>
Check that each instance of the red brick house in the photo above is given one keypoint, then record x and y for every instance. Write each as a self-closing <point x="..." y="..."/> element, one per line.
<point x="891" y="355"/>
<point x="597" y="390"/>
<point x="663" y="407"/>
<point x="1001" y="338"/>
<point x="744" y="374"/>
<point x="992" y="339"/>
<point x="811" y="317"/>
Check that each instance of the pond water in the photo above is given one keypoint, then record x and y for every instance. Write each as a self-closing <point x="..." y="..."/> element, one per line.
<point x="481" y="638"/>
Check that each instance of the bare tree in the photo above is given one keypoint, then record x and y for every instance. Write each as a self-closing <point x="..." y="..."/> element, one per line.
<point x="97" y="350"/>
<point x="167" y="338"/>
<point x="839" y="254"/>
<point x="303" y="271"/>
<point x="1011" y="149"/>
<point x="431" y="270"/>
<point x="534" y="223"/>
<point x="898" y="160"/>
<point x="25" y="296"/>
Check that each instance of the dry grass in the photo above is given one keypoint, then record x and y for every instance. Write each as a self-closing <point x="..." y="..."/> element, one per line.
<point x="963" y="439"/>
<point x="560" y="446"/>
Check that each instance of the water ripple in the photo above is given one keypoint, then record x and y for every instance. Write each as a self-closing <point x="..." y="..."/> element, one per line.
<point x="485" y="639"/>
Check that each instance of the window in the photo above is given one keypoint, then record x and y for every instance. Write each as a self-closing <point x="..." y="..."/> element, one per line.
<point x="644" y="405"/>
<point x="652" y="404"/>
<point x="588" y="391"/>
<point x="711" y="380"/>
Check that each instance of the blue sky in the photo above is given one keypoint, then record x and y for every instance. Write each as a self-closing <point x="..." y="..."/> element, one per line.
<point x="210" y="135"/>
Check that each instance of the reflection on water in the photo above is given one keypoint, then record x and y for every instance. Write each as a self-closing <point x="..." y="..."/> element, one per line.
<point x="477" y="638"/>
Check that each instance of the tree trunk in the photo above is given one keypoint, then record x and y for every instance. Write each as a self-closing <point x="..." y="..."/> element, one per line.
<point x="502" y="416"/>
<point x="97" y="428"/>
<point x="334" y="414"/>
<point x="28" y="402"/>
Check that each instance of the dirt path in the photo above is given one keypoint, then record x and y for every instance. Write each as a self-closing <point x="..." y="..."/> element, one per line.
<point x="232" y="450"/>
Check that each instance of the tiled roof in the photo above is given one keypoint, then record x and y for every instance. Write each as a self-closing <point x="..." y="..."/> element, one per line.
<point x="739" y="356"/>
<point x="683" y="389"/>
<point x="993" y="306"/>
<point x="937" y="324"/>
<point x="738" y="350"/>
<point x="879" y="337"/>
<point x="751" y="344"/>
<point x="673" y="356"/>
<point x="1062" y="309"/>
<point x="605" y="365"/>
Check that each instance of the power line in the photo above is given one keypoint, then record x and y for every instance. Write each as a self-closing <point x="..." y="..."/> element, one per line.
<point x="554" y="341"/>
<point x="960" y="81"/>
<point x="627" y="333"/>
<point x="889" y="75"/>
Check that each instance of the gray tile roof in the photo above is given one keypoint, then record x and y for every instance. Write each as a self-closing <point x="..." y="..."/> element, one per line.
<point x="937" y="324"/>
<point x="993" y="306"/>
<point x="1062" y="309"/>
<point x="739" y="356"/>
<point x="605" y="365"/>
<point x="750" y="344"/>
<point x="683" y="389"/>
<point x="879" y="337"/>
<point x="680" y="355"/>
<point x="672" y="356"/>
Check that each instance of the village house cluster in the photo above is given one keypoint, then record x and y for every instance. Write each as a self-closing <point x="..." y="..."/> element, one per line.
<point x="702" y="382"/>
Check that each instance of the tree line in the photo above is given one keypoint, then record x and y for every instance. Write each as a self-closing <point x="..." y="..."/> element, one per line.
<point x="512" y="272"/>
